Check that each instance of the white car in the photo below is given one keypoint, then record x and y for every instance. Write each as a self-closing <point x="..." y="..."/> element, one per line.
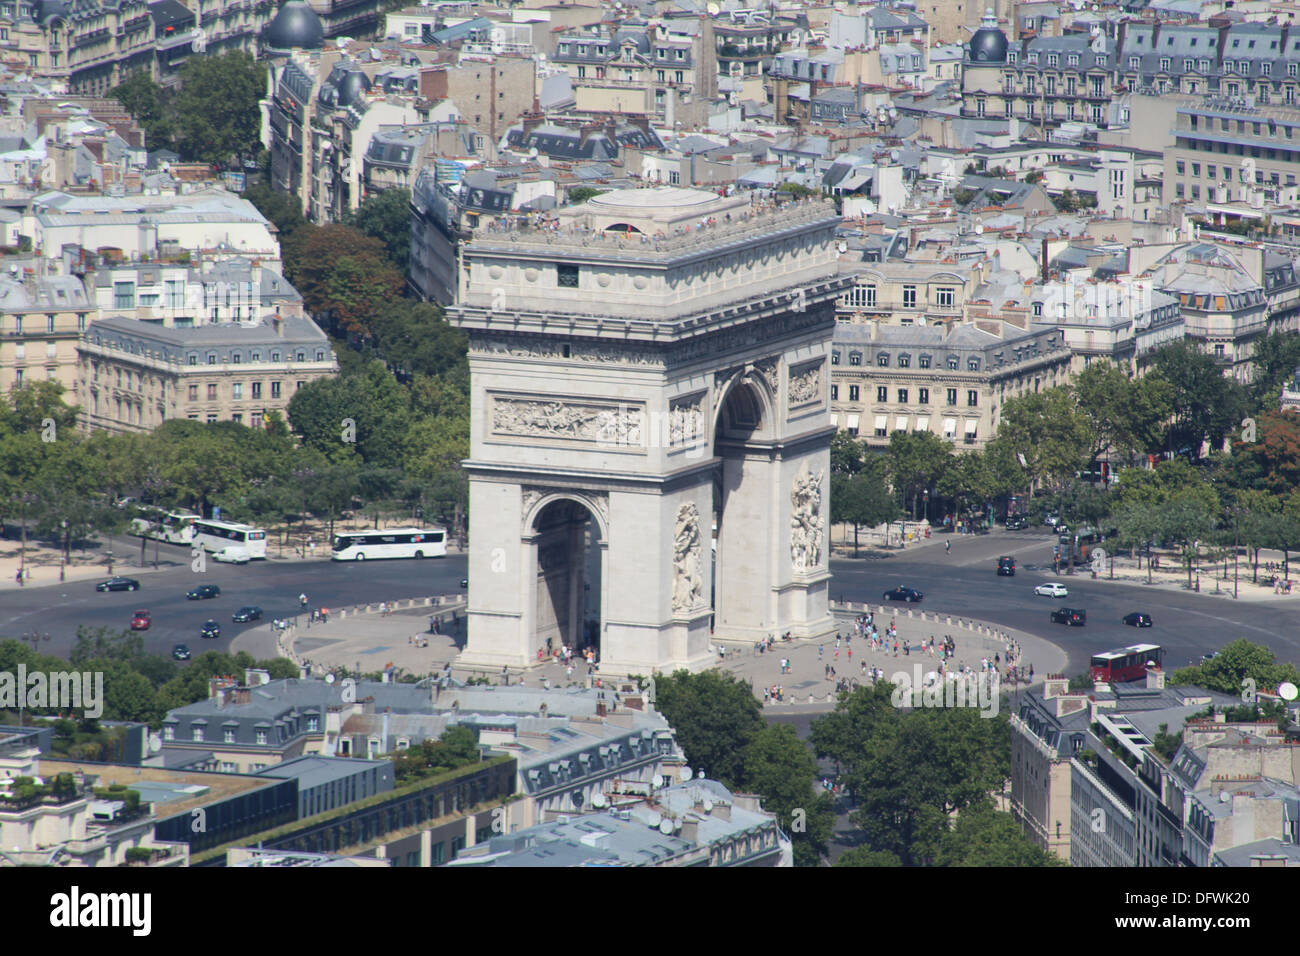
<point x="232" y="555"/>
<point x="1052" y="589"/>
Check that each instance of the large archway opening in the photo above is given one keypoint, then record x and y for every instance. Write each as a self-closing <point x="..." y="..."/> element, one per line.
<point x="740" y="515"/>
<point x="569" y="553"/>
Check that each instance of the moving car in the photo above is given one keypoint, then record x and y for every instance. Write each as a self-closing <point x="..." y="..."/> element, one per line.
<point x="140" y="622"/>
<point x="210" y="629"/>
<point x="1016" y="523"/>
<point x="118" y="584"/>
<point x="1006" y="567"/>
<point x="180" y="652"/>
<point x="900" y="593"/>
<point x="247" y="613"/>
<point x="1051" y="520"/>
<point x="464" y="582"/>
<point x="1052" y="589"/>
<point x="232" y="555"/>
<point x="203" y="591"/>
<point x="1138" y="619"/>
<point x="1072" y="617"/>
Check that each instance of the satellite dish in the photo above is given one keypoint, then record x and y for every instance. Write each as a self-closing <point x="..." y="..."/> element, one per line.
<point x="979" y="228"/>
<point x="155" y="742"/>
<point x="1288" y="691"/>
<point x="708" y="806"/>
<point x="658" y="781"/>
<point x="713" y="9"/>
<point x="656" y="819"/>
<point x="685" y="774"/>
<point x="329" y="678"/>
<point x="598" y="800"/>
<point x="666" y="827"/>
<point x="1225" y="796"/>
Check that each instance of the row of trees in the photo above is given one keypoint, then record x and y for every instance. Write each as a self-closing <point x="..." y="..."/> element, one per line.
<point x="400" y="452"/>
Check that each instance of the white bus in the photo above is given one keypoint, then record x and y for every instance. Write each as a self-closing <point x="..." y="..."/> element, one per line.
<point x="390" y="543"/>
<point x="174" y="527"/>
<point x="218" y="535"/>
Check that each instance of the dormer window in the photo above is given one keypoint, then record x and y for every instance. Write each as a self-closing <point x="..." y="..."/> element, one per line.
<point x="953" y="364"/>
<point x="904" y="360"/>
<point x="855" y="358"/>
<point x="835" y="358"/>
<point x="883" y="360"/>
<point x="973" y="365"/>
<point x="925" y="361"/>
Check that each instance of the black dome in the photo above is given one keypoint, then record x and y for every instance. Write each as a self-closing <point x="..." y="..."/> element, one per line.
<point x="295" y="27"/>
<point x="353" y="87"/>
<point x="988" y="44"/>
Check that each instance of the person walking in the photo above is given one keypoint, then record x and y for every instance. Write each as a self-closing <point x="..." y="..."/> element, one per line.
<point x="947" y="547"/>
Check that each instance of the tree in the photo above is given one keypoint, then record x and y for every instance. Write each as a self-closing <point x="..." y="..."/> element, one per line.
<point x="715" y="716"/>
<point x="1125" y="415"/>
<point x="218" y="116"/>
<point x="1237" y="661"/>
<point x="779" y="767"/>
<point x="386" y="216"/>
<point x="284" y="210"/>
<point x="1207" y="406"/>
<point x="970" y="481"/>
<point x="862" y="499"/>
<point x="580" y="194"/>
<point x="149" y="105"/>
<point x="372" y="401"/>
<point x="1045" y="432"/>
<point x="414" y="338"/>
<point x="916" y="460"/>
<point x="1271" y="461"/>
<point x="847" y="454"/>
<point x="985" y="836"/>
<point x="861" y="856"/>
<point x="1276" y="357"/>
<point x="103" y="643"/>
<point x="341" y="272"/>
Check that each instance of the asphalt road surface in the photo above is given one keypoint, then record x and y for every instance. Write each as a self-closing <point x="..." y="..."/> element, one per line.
<point x="272" y="585"/>
<point x="965" y="582"/>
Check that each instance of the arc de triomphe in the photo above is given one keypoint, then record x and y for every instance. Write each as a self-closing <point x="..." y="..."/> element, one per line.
<point x="644" y="367"/>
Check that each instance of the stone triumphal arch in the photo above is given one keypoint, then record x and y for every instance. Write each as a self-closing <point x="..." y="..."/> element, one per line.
<point x="650" y="431"/>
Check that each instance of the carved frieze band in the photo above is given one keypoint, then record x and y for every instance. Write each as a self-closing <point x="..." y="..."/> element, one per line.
<point x="615" y="425"/>
<point x="806" y="384"/>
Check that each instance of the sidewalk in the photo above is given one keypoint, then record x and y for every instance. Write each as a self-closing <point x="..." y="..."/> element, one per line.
<point x="43" y="564"/>
<point x="1211" y="577"/>
<point x="364" y="640"/>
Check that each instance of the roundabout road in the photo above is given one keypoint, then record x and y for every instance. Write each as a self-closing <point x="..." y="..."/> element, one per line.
<point x="273" y="585"/>
<point x="965" y="583"/>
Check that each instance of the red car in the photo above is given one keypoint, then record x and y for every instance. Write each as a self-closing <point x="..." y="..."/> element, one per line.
<point x="141" y="621"/>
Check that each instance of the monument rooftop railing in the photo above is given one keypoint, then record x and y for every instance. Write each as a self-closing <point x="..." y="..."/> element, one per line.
<point x="762" y="219"/>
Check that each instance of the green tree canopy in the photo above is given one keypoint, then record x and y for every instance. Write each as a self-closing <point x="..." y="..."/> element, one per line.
<point x="386" y="216"/>
<point x="218" y="116"/>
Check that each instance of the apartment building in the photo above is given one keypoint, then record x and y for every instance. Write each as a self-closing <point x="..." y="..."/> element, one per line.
<point x="908" y="293"/>
<point x="951" y="380"/>
<point x="1229" y="149"/>
<point x="41" y="321"/>
<point x="89" y="47"/>
<point x="135" y="375"/>
<point x="1048" y="80"/>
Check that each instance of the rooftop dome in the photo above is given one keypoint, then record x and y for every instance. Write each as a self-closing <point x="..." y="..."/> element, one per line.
<point x="988" y="44"/>
<point x="295" y="27"/>
<point x="353" y="87"/>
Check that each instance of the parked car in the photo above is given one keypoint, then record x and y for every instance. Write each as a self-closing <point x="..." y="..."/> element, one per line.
<point x="232" y="555"/>
<point x="210" y="629"/>
<point x="180" y="652"/>
<point x="1072" y="617"/>
<point x="202" y="592"/>
<point x="247" y="613"/>
<point x="140" y="622"/>
<point x="900" y="593"/>
<point x="464" y="582"/>
<point x="1016" y="523"/>
<point x="1006" y="567"/>
<point x="1051" y="520"/>
<point x="1052" y="589"/>
<point x="1138" y="619"/>
<point x="118" y="584"/>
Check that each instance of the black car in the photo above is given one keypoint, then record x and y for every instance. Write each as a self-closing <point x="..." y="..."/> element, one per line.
<point x="204" y="591"/>
<point x="210" y="629"/>
<point x="900" y="593"/>
<point x="181" y="652"/>
<point x="1016" y="523"/>
<point x="1070" y="616"/>
<point x="1006" y="567"/>
<point x="464" y="582"/>
<point x="118" y="584"/>
<point x="1138" y="619"/>
<point x="248" y="613"/>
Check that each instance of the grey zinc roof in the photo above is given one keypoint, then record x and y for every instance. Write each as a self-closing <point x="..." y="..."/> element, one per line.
<point x="314" y="770"/>
<point x="1271" y="848"/>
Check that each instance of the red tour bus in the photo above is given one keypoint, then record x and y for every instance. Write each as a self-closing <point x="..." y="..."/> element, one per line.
<point x="1126" y="663"/>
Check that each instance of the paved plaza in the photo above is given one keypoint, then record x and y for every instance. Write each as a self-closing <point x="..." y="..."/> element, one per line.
<point x="368" y="639"/>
